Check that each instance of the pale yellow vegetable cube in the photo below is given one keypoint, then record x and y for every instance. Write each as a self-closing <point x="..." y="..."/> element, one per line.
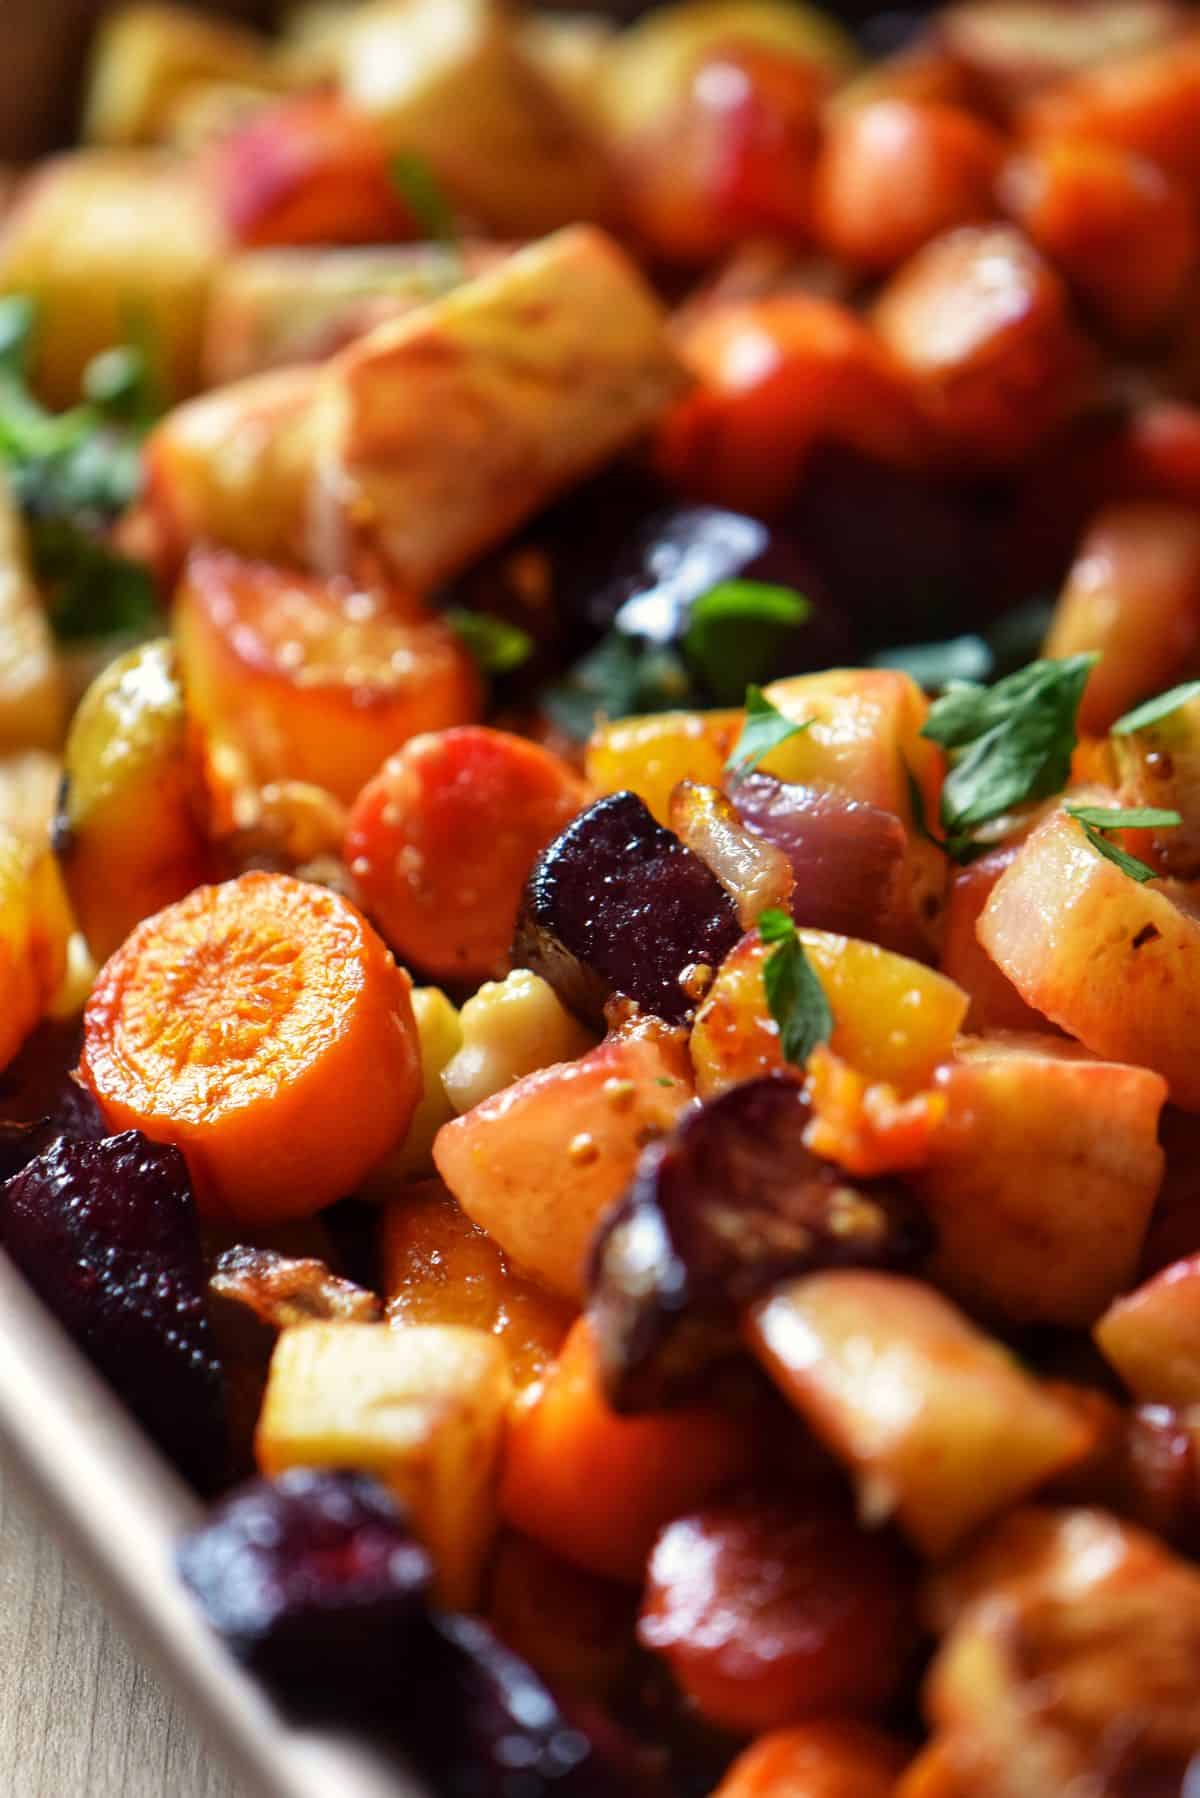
<point x="146" y="55"/>
<point x="510" y="1028"/>
<point x="32" y="711"/>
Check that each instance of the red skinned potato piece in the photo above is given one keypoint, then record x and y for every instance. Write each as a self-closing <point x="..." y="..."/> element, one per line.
<point x="829" y="1759"/>
<point x="937" y="1422"/>
<point x="1152" y="1336"/>
<point x="1041" y="1178"/>
<point x="1148" y="102"/>
<point x="768" y="1610"/>
<point x="309" y="680"/>
<point x="581" y="1125"/>
<point x="980" y="325"/>
<point x="995" y="1002"/>
<point x="441" y="842"/>
<point x="1133" y="597"/>
<point x="1109" y="961"/>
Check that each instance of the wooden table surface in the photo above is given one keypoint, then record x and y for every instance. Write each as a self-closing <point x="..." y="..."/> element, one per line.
<point x="79" y="1716"/>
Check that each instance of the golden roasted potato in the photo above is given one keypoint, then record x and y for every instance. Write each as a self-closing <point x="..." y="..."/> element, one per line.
<point x="32" y="702"/>
<point x="1152" y="1336"/>
<point x="146" y="55"/>
<point x="35" y="928"/>
<point x="1159" y="765"/>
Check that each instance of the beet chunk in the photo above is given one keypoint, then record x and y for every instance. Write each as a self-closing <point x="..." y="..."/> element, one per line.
<point x="728" y="1204"/>
<point x="315" y="1582"/>
<point x="76" y="1115"/>
<point x="617" y="904"/>
<point x="105" y="1233"/>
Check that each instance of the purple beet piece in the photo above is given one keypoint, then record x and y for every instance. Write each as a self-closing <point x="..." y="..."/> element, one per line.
<point x="731" y="1202"/>
<point x="75" y="1116"/>
<point x="106" y="1234"/>
<point x="617" y="904"/>
<point x="316" y="1583"/>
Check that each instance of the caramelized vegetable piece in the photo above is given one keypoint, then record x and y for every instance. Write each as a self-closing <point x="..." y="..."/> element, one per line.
<point x="442" y="839"/>
<point x="1041" y="1178"/>
<point x="1008" y="50"/>
<point x="767" y="1611"/>
<point x="817" y="1760"/>
<point x="731" y="1202"/>
<point x="756" y="875"/>
<point x="1107" y="959"/>
<point x="981" y="326"/>
<point x="106" y="1234"/>
<point x="147" y="55"/>
<point x="309" y="171"/>
<point x="510" y="1028"/>
<point x="1061" y="1621"/>
<point x="280" y="1291"/>
<point x="35" y="929"/>
<point x="893" y="1019"/>
<point x="31" y="688"/>
<point x="776" y="377"/>
<point x="235" y="1023"/>
<point x="583" y="922"/>
<point x="937" y="1422"/>
<point x="312" y="681"/>
<point x="440" y="1268"/>
<point x="422" y="1408"/>
<point x="1133" y="597"/>
<point x="583" y="1124"/>
<point x="893" y="173"/>
<point x="995" y="1002"/>
<point x="1152" y="1336"/>
<point x="1147" y="102"/>
<point x="650" y="756"/>
<point x="130" y="834"/>
<point x="597" y="1488"/>
<point x="576" y="1629"/>
<point x="1122" y="233"/>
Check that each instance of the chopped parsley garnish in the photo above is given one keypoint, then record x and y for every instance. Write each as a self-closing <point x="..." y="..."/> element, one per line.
<point x="765" y="729"/>
<point x="936" y="665"/>
<point x="795" y="997"/>
<point x="1096" y="820"/>
<point x="421" y="192"/>
<point x="736" y="630"/>
<point x="497" y="645"/>
<point x="621" y="676"/>
<point x="1153" y="709"/>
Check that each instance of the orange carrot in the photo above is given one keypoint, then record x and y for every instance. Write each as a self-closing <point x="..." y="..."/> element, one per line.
<point x="442" y="839"/>
<point x="830" y="1759"/>
<point x="577" y="1630"/>
<point x="262" y="1027"/>
<point x="597" y="1488"/>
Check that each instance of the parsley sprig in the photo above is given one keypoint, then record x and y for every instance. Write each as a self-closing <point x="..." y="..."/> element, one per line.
<point x="1153" y="710"/>
<point x="496" y="645"/>
<point x="795" y="997"/>
<point x="763" y="730"/>
<point x="1097" y="820"/>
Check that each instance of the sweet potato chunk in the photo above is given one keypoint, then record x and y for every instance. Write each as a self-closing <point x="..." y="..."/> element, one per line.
<point x="1152" y="1336"/>
<point x="937" y="1422"/>
<point x="650" y="756"/>
<point x="1147" y="102"/>
<point x="995" y="1002"/>
<point x="1041" y="1178"/>
<point x="816" y="1760"/>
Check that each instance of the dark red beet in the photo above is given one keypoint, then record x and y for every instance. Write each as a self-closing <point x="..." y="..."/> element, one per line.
<point x="616" y="904"/>
<point x="106" y="1234"/>
<point x="850" y="859"/>
<point x="76" y="1116"/>
<point x="314" y="1581"/>
<point x="728" y="1204"/>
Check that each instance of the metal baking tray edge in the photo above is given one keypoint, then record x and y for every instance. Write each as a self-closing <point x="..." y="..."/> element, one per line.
<point x="119" y="1510"/>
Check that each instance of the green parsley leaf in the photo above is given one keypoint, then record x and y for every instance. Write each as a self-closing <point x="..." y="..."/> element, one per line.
<point x="122" y="387"/>
<point x="936" y="665"/>
<point x="765" y="729"/>
<point x="421" y="192"/>
<point x="735" y="632"/>
<point x="795" y="997"/>
<point x="1154" y="709"/>
<point x="1096" y="819"/>
<point x="92" y="591"/>
<point x="621" y="676"/>
<point x="1010" y="743"/>
<point x="18" y="315"/>
<point x="496" y="645"/>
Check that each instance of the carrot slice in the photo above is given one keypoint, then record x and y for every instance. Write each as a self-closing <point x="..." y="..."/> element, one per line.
<point x="263" y="1028"/>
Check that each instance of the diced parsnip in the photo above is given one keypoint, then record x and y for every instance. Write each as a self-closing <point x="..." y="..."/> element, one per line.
<point x="270" y="308"/>
<point x="35" y="928"/>
<point x="1061" y="1621"/>
<point x="536" y="372"/>
<point x="32" y="704"/>
<point x="995" y="1002"/>
<point x="446" y="80"/>
<point x="510" y="1028"/>
<point x="582" y="1125"/>
<point x="597" y="1488"/>
<point x="1133" y="597"/>
<point x="233" y="467"/>
<point x="1112" y="962"/>
<point x="1152" y="1336"/>
<point x="130" y="833"/>
<point x="1159" y="765"/>
<point x="938" y="1423"/>
<point x="440" y="1032"/>
<point x="649" y="756"/>
<point x="650" y="66"/>
<point x="440" y="1268"/>
<point x="829" y="1759"/>
<point x="894" y="1019"/>
<point x="105" y="242"/>
<point x="423" y="1408"/>
<point x="147" y="54"/>
<point x="1041" y="1178"/>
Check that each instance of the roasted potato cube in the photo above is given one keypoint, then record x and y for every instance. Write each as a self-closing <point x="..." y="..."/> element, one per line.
<point x="421" y="1407"/>
<point x="1041" y="1178"/>
<point x="446" y="80"/>
<point x="32" y="702"/>
<point x="35" y="928"/>
<point x="1010" y="49"/>
<point x="938" y="1423"/>
<point x="1159" y="765"/>
<point x="1147" y="101"/>
<point x="536" y="373"/>
<point x="130" y="833"/>
<point x="29" y="784"/>
<point x="105" y="241"/>
<point x="1152" y="1336"/>
<point x="440" y="1030"/>
<point x="571" y="52"/>
<point x="146" y="55"/>
<point x="995" y="1002"/>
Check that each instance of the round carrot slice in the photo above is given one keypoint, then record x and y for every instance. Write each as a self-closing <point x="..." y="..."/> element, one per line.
<point x="262" y="1027"/>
